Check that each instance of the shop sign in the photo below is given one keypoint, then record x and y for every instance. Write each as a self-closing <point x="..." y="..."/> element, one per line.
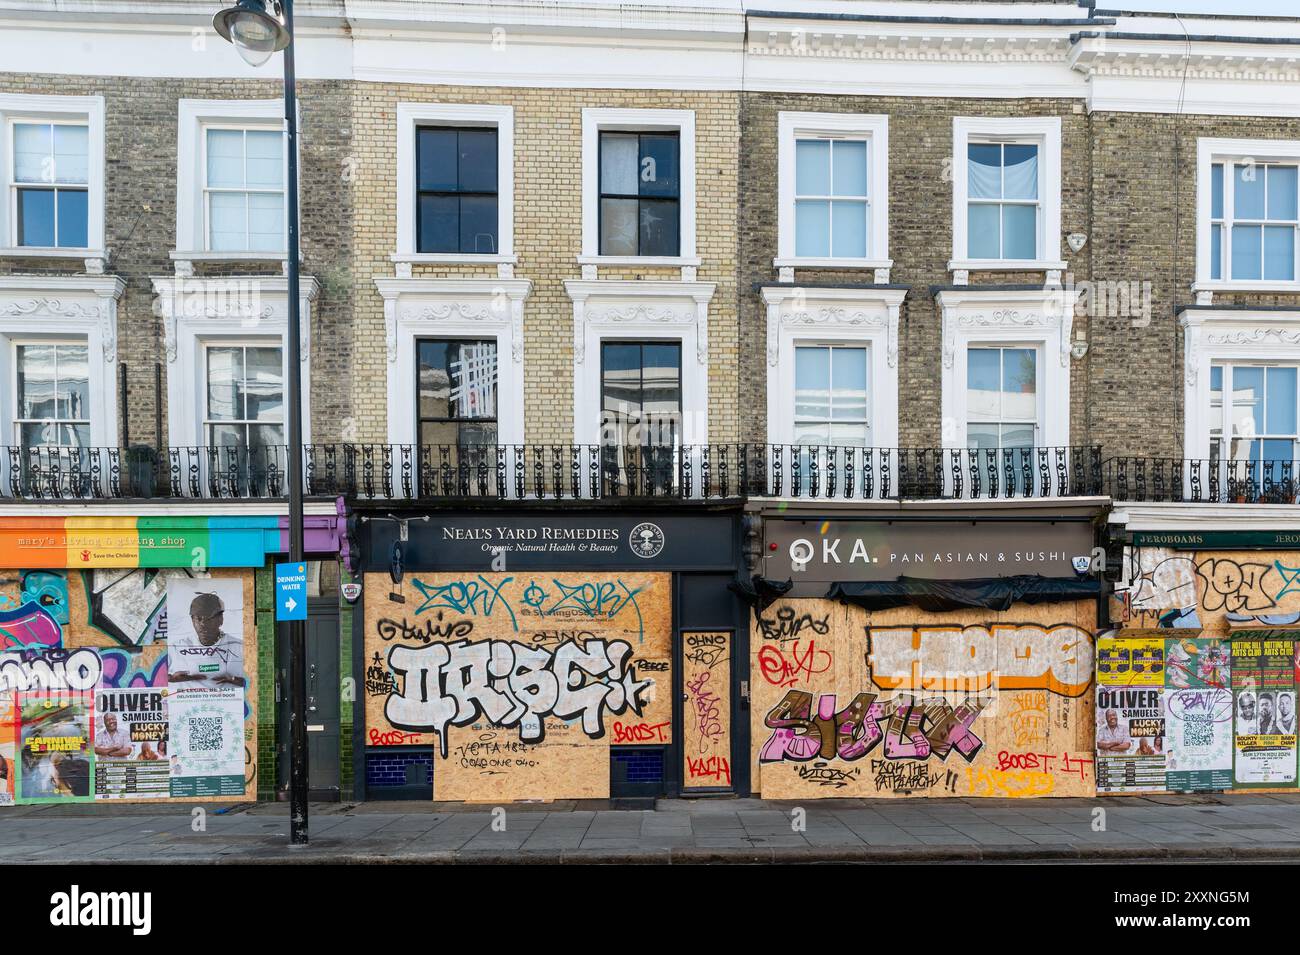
<point x="861" y="550"/>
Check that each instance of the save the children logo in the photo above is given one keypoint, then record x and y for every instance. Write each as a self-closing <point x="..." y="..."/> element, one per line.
<point x="646" y="540"/>
<point x="77" y="908"/>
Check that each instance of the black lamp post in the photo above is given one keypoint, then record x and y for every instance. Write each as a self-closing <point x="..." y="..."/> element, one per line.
<point x="256" y="34"/>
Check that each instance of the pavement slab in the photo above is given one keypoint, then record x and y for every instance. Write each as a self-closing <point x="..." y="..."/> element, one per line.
<point x="1238" y="828"/>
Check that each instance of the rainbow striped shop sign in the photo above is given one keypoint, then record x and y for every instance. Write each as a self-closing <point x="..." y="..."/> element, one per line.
<point x="173" y="541"/>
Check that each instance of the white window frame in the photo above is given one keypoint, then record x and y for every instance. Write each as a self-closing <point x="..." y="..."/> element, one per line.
<point x="195" y="117"/>
<point x="1230" y="367"/>
<point x="1040" y="399"/>
<point x="594" y="122"/>
<point x="1208" y="152"/>
<point x="18" y="341"/>
<point x="24" y="108"/>
<point x="207" y="191"/>
<point x="1042" y="131"/>
<point x="1232" y="336"/>
<point x="874" y="129"/>
<point x="47" y="309"/>
<point x="610" y="310"/>
<point x="253" y="341"/>
<point x="861" y="317"/>
<point x="410" y="117"/>
<point x="1042" y="319"/>
<point x="488" y="309"/>
<point x="196" y="314"/>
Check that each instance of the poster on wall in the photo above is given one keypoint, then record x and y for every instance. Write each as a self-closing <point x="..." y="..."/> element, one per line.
<point x="1265" y="756"/>
<point x="1198" y="662"/>
<point x="56" y="760"/>
<point x="131" y="759"/>
<point x="520" y="682"/>
<point x="1199" y="757"/>
<point x="1130" y="739"/>
<point x="206" y="684"/>
<point x="1264" y="720"/>
<point x="1131" y="661"/>
<point x="1198" y="714"/>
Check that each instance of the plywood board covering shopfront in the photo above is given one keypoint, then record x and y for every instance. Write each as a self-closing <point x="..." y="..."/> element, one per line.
<point x="900" y="702"/>
<point x="706" y="710"/>
<point x="520" y="682"/>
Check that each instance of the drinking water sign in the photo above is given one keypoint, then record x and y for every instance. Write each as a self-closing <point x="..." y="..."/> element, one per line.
<point x="291" y="591"/>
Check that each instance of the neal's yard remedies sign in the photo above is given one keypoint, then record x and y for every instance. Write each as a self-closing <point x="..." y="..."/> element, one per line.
<point x="510" y="542"/>
<point x="861" y="550"/>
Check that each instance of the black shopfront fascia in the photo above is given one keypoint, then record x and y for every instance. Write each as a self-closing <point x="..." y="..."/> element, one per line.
<point x="701" y="549"/>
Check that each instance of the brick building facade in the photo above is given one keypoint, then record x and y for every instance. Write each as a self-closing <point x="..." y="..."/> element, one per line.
<point x="593" y="273"/>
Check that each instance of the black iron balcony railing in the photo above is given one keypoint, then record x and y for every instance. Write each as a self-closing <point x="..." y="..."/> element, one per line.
<point x="553" y="472"/>
<point x="1202" y="480"/>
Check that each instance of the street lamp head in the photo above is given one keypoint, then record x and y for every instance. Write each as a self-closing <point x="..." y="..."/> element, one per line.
<point x="255" y="33"/>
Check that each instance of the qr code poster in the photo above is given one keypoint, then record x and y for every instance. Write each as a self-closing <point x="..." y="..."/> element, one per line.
<point x="207" y="742"/>
<point x="206" y="682"/>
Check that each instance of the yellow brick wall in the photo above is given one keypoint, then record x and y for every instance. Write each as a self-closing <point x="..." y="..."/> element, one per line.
<point x="548" y="238"/>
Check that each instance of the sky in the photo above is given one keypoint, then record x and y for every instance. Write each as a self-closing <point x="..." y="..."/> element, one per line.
<point x="1284" y="8"/>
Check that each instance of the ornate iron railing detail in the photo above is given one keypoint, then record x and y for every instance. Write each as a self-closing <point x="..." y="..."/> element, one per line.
<point x="633" y="472"/>
<point x="1202" y="480"/>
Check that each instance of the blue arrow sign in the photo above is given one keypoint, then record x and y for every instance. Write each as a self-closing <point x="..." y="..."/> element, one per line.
<point x="291" y="591"/>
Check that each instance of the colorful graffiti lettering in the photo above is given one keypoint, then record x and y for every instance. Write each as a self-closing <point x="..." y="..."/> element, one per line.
<point x="50" y="669"/>
<point x="602" y="599"/>
<point x="122" y="670"/>
<point x="511" y="684"/>
<point x="49" y="590"/>
<point x="1029" y="718"/>
<point x="1009" y="784"/>
<point x="479" y="597"/>
<point x="972" y="659"/>
<point x="29" y="625"/>
<point x="913" y="729"/>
